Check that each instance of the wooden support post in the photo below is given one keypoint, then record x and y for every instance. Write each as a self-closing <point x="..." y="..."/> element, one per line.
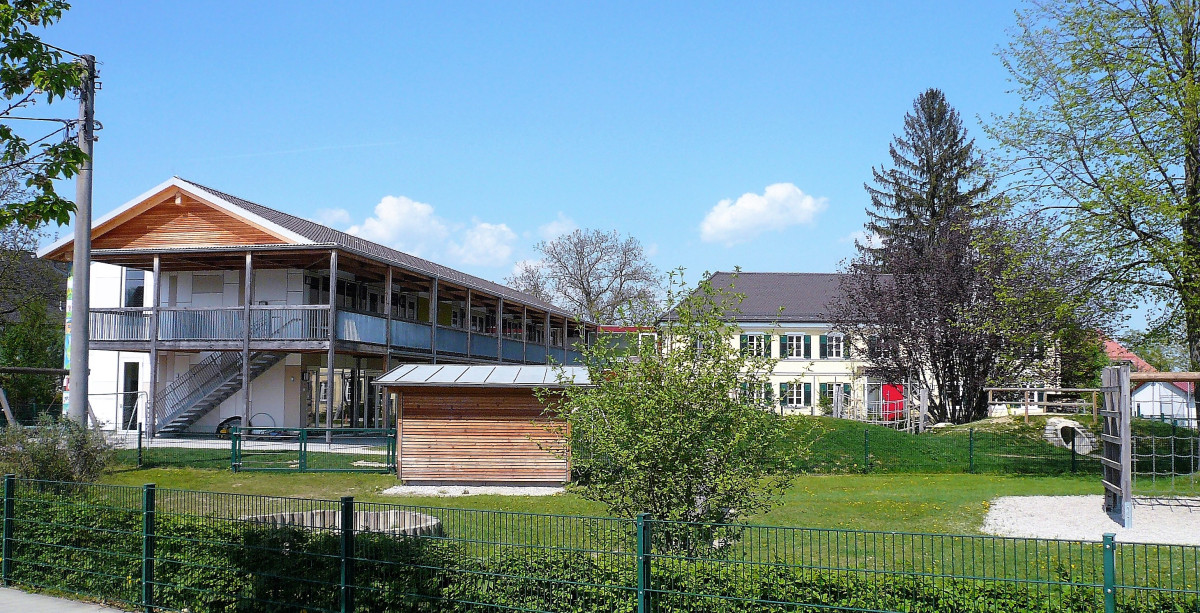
<point x="470" y="322"/>
<point x="546" y="340"/>
<point x="433" y="319"/>
<point x="150" y="419"/>
<point x="500" y="330"/>
<point x="330" y="356"/>
<point x="387" y="307"/>
<point x="247" y="300"/>
<point x="524" y="334"/>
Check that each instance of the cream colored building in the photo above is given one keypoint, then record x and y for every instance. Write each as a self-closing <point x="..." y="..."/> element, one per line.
<point x="814" y="359"/>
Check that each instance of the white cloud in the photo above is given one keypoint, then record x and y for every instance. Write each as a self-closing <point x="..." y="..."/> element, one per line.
<point x="559" y="226"/>
<point x="334" y="217"/>
<point x="780" y="205"/>
<point x="868" y="239"/>
<point x="484" y="244"/>
<point x="403" y="223"/>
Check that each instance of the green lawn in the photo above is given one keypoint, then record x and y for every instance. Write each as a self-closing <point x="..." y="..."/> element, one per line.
<point x="939" y="503"/>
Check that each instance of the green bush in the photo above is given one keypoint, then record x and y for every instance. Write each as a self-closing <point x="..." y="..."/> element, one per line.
<point x="74" y="540"/>
<point x="54" y="449"/>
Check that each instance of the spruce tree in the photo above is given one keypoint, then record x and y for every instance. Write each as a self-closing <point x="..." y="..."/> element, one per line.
<point x="935" y="176"/>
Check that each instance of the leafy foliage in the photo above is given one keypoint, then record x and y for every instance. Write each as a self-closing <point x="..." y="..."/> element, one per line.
<point x="669" y="430"/>
<point x="31" y="69"/>
<point x="1108" y="138"/>
<point x="958" y="296"/>
<point x="35" y="339"/>
<point x="92" y="545"/>
<point x="54" y="450"/>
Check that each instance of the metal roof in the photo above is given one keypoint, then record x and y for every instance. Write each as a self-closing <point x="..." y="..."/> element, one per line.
<point x="804" y="296"/>
<point x="325" y="235"/>
<point x="459" y="375"/>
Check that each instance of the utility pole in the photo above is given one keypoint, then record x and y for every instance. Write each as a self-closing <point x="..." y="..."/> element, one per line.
<point x="81" y="265"/>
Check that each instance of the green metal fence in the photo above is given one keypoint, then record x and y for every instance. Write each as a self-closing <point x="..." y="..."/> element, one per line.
<point x="176" y="550"/>
<point x="313" y="449"/>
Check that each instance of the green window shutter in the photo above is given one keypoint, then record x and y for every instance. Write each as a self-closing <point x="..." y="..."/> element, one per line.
<point x="824" y="341"/>
<point x="768" y="390"/>
<point x="767" y="346"/>
<point x="846" y="347"/>
<point x="783" y="347"/>
<point x="745" y="388"/>
<point x="783" y="394"/>
<point x="808" y="394"/>
<point x="807" y="342"/>
<point x="743" y="344"/>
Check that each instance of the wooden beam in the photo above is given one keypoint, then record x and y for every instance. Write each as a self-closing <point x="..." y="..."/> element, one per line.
<point x="387" y="307"/>
<point x="150" y="419"/>
<point x="247" y="300"/>
<point x="329" y="394"/>
<point x="1168" y="377"/>
<point x="433" y="318"/>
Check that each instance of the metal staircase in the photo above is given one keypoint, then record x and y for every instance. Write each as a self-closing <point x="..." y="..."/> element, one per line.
<point x="205" y="387"/>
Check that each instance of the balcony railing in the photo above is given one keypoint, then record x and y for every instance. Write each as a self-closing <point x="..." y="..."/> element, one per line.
<point x="483" y="346"/>
<point x="185" y="324"/>
<point x="453" y="340"/>
<point x="120" y="324"/>
<point x="362" y="328"/>
<point x="294" y="323"/>
<point x="308" y="323"/>
<point x="514" y="351"/>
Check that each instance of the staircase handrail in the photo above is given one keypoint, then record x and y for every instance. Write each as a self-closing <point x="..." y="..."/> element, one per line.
<point x="187" y="390"/>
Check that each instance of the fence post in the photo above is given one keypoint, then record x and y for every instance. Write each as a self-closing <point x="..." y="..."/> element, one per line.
<point x="303" y="449"/>
<point x="148" y="547"/>
<point x="643" y="563"/>
<point x="866" y="450"/>
<point x="10" y="494"/>
<point x="1110" y="574"/>
<point x="347" y="582"/>
<point x="234" y="444"/>
<point x="139" y="455"/>
<point x="1073" y="439"/>
<point x="971" y="451"/>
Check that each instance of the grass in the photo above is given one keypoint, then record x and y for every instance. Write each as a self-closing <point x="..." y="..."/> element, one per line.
<point x="897" y="502"/>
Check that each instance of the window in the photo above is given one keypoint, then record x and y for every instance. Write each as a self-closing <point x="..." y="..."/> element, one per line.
<point x="317" y="290"/>
<point x="880" y="349"/>
<point x="795" y="346"/>
<point x="834" y="346"/>
<point x="795" y="394"/>
<point x="129" y="396"/>
<point x="756" y="391"/>
<point x="756" y="344"/>
<point x="208" y="284"/>
<point x="404" y="306"/>
<point x="135" y="287"/>
<point x="458" y="317"/>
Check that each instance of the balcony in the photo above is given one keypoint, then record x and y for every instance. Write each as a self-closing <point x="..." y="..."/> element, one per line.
<point x="302" y="327"/>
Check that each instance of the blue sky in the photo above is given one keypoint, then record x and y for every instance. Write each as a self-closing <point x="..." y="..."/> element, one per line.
<point x="465" y="132"/>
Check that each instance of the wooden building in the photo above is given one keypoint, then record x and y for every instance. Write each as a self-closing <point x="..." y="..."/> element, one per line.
<point x="196" y="292"/>
<point x="479" y="424"/>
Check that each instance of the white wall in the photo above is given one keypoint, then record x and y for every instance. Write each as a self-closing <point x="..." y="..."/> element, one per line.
<point x="105" y="379"/>
<point x="1156" y="399"/>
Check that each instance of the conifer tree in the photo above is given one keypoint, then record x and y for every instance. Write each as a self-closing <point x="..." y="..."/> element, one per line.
<point x="935" y="175"/>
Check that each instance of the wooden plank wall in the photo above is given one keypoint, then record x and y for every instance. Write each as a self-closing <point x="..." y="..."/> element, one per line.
<point x="187" y="224"/>
<point x="477" y="435"/>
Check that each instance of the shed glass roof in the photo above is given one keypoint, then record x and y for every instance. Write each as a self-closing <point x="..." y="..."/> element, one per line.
<point x="455" y="375"/>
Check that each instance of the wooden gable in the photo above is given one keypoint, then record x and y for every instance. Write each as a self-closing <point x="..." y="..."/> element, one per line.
<point x="174" y="219"/>
<point x="188" y="223"/>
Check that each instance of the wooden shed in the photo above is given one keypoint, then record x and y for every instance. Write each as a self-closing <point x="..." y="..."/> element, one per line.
<point x="478" y="424"/>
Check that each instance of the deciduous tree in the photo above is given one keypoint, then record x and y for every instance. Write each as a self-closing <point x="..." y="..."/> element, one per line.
<point x="676" y="430"/>
<point x="33" y="70"/>
<point x="1108" y="137"/>
<point x="600" y="276"/>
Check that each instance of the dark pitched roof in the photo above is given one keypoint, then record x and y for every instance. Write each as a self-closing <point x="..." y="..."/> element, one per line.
<point x="804" y="296"/>
<point x="326" y="235"/>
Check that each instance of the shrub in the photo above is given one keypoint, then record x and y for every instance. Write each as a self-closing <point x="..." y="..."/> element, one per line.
<point x="55" y="449"/>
